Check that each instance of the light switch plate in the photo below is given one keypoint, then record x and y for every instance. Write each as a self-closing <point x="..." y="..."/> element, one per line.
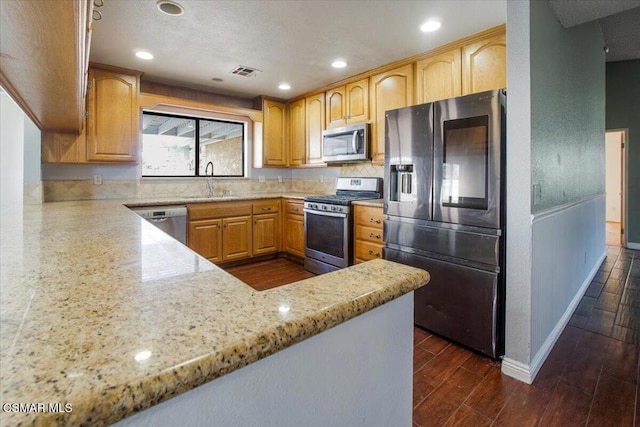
<point x="97" y="179"/>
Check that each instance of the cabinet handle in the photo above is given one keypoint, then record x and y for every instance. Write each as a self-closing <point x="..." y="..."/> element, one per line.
<point x="377" y="221"/>
<point x="376" y="236"/>
<point x="295" y="209"/>
<point x="266" y="209"/>
<point x="255" y="221"/>
<point x="376" y="254"/>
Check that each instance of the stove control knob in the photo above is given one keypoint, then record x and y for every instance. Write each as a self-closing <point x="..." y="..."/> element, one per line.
<point x="324" y="207"/>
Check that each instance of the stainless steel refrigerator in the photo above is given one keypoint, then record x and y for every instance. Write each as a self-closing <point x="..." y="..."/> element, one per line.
<point x="444" y="201"/>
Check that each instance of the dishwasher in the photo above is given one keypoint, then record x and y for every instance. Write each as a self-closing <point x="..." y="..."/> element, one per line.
<point x="170" y="219"/>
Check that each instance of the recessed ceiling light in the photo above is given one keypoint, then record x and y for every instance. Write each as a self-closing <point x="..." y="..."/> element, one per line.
<point x="170" y="7"/>
<point x="217" y="79"/>
<point x="338" y="63"/>
<point x="284" y="86"/>
<point x="430" y="25"/>
<point x="144" y="55"/>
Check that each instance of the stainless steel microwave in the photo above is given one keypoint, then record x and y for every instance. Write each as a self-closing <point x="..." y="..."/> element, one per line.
<point x="346" y="144"/>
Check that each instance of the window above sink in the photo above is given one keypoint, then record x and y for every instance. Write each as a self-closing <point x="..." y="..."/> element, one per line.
<point x="182" y="146"/>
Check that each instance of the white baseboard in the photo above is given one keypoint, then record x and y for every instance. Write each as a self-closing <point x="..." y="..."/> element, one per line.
<point x="633" y="245"/>
<point x="527" y="373"/>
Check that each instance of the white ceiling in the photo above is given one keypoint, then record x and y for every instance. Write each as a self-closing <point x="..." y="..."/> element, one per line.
<point x="292" y="41"/>
<point x="295" y="41"/>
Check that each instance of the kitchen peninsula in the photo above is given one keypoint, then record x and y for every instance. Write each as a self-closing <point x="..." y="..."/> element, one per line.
<point x="105" y="317"/>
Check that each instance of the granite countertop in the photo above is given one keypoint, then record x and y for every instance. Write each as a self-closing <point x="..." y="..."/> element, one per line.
<point x="103" y="311"/>
<point x="217" y="198"/>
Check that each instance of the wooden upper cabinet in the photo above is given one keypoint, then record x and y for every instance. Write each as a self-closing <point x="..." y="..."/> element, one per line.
<point x="315" y="125"/>
<point x="484" y="65"/>
<point x="113" y="116"/>
<point x="274" y="133"/>
<point x="297" y="133"/>
<point x="348" y="104"/>
<point x="336" y="107"/>
<point x="439" y="77"/>
<point x="388" y="91"/>
<point x="357" y="96"/>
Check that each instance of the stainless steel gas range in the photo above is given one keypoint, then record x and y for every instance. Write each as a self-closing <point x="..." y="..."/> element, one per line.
<point x="328" y="224"/>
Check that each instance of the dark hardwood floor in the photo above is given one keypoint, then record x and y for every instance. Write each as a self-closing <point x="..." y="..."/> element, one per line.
<point x="269" y="274"/>
<point x="591" y="377"/>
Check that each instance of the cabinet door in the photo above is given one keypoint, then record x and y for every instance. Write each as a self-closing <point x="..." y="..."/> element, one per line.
<point x="294" y="235"/>
<point x="266" y="231"/>
<point x="113" y="117"/>
<point x="274" y="136"/>
<point x="485" y="65"/>
<point x="439" y="77"/>
<point x="205" y="238"/>
<point x="236" y="238"/>
<point x="315" y="126"/>
<point x="297" y="133"/>
<point x="357" y="101"/>
<point x="388" y="91"/>
<point x="336" y="111"/>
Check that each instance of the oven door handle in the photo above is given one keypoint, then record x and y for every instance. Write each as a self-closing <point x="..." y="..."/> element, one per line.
<point x="325" y="213"/>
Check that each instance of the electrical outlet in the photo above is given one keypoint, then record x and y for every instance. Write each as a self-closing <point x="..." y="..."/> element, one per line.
<point x="261" y="178"/>
<point x="279" y="178"/>
<point x="97" y="179"/>
<point x="321" y="179"/>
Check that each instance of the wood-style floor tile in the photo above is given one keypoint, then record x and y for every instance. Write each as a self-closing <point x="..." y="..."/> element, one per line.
<point x="435" y="344"/>
<point x="608" y="301"/>
<point x="614" y="286"/>
<point x="444" y="364"/>
<point x="584" y="369"/>
<point x="420" y="335"/>
<point x="568" y="406"/>
<point x="621" y="361"/>
<point x="594" y="289"/>
<point x="421" y="387"/>
<point x="600" y="321"/>
<point x="464" y="416"/>
<point x="492" y="393"/>
<point x="421" y="356"/>
<point x="446" y="398"/>
<point x="631" y="297"/>
<point x="525" y="407"/>
<point x="613" y="403"/>
<point x="480" y="365"/>
<point x="629" y="317"/>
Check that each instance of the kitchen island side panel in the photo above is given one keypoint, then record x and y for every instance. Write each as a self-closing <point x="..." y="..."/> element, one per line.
<point x="357" y="373"/>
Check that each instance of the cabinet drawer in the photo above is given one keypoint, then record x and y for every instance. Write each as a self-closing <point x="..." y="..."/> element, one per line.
<point x="196" y="211"/>
<point x="371" y="234"/>
<point x="366" y="250"/>
<point x="266" y="206"/>
<point x="294" y="207"/>
<point x="369" y="216"/>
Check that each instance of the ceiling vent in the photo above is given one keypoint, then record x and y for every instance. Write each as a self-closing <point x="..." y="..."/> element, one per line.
<point x="243" y="71"/>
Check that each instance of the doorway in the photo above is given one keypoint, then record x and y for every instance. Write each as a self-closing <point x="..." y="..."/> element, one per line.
<point x="615" y="187"/>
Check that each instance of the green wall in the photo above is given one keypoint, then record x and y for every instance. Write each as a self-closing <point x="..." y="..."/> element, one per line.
<point x="623" y="112"/>
<point x="567" y="109"/>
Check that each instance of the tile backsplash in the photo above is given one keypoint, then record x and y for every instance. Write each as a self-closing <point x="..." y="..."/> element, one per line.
<point x="85" y="189"/>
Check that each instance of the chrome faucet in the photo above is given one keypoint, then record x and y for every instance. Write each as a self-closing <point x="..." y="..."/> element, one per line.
<point x="209" y="178"/>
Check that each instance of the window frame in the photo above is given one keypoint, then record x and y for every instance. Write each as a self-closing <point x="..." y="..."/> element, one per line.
<point x="197" y="120"/>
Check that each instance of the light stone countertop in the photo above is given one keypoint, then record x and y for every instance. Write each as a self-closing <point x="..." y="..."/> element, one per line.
<point x="218" y="198"/>
<point x="101" y="310"/>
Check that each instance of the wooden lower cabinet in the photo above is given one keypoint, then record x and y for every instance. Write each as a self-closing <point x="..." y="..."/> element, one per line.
<point x="232" y="231"/>
<point x="205" y="237"/>
<point x="266" y="234"/>
<point x="293" y="229"/>
<point x="236" y="238"/>
<point x="368" y="233"/>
